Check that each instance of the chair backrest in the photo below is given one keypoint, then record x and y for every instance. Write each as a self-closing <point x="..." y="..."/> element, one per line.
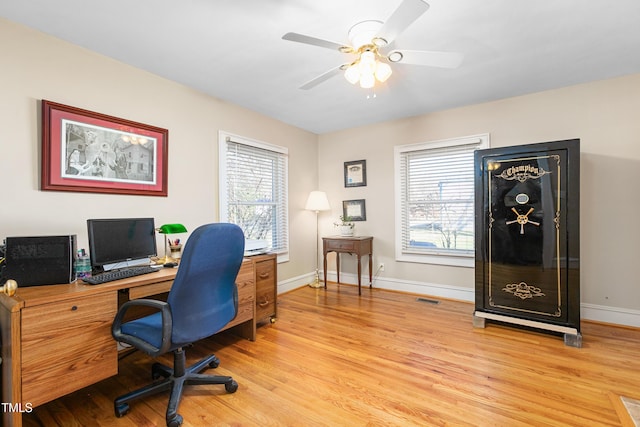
<point x="202" y="297"/>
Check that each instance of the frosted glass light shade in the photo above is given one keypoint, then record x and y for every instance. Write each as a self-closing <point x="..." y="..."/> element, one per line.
<point x="367" y="81"/>
<point x="352" y="74"/>
<point x="383" y="71"/>
<point x="317" y="201"/>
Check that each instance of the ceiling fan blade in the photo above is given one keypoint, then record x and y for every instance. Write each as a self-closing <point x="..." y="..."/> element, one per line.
<point x="404" y="15"/>
<point x="301" y="38"/>
<point x="322" y="77"/>
<point x="428" y="58"/>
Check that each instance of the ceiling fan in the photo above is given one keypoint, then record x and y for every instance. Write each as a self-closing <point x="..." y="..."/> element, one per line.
<point x="371" y="41"/>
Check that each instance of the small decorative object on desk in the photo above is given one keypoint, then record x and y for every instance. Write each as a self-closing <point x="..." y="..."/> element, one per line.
<point x="83" y="265"/>
<point x="176" y="249"/>
<point x="345" y="226"/>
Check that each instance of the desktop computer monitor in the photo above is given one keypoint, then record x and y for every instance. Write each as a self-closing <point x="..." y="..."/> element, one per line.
<point x="120" y="242"/>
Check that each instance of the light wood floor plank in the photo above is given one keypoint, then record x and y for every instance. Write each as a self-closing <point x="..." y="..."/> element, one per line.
<point x="383" y="359"/>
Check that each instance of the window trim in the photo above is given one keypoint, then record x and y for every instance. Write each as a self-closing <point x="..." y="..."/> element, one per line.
<point x="445" y="257"/>
<point x="223" y="205"/>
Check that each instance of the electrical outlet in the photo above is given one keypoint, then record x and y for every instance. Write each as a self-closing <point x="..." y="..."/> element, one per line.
<point x="381" y="266"/>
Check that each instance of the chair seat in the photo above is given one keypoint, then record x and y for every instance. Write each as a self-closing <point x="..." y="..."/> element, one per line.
<point x="148" y="328"/>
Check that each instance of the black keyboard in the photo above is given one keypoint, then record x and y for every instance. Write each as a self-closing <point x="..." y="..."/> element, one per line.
<point x="110" y="276"/>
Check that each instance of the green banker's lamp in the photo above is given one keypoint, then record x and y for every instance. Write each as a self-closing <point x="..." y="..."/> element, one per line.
<point x="167" y="229"/>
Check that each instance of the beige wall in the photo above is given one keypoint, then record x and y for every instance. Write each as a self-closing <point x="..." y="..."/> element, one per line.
<point x="35" y="66"/>
<point x="604" y="115"/>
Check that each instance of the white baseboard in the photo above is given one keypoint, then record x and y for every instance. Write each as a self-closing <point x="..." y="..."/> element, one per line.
<point x="411" y="286"/>
<point x="295" y="282"/>
<point x="616" y="315"/>
<point x="598" y="313"/>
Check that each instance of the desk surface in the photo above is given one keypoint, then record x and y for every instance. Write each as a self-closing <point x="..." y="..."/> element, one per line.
<point x="36" y="295"/>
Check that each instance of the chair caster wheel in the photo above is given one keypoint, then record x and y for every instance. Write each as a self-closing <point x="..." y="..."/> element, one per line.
<point x="214" y="363"/>
<point x="176" y="421"/>
<point x="122" y="410"/>
<point x="231" y="386"/>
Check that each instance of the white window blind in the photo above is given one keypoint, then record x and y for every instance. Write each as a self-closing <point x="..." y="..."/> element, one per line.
<point x="435" y="199"/>
<point x="254" y="188"/>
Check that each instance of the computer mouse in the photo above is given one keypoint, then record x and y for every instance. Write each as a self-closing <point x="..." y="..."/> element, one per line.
<point x="170" y="264"/>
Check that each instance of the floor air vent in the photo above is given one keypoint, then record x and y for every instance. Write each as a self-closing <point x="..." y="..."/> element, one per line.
<point x="427" y="300"/>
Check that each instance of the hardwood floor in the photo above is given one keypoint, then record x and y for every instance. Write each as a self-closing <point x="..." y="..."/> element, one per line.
<point x="383" y="359"/>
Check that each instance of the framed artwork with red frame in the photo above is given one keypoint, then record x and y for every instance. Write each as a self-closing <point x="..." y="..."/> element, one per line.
<point x="85" y="151"/>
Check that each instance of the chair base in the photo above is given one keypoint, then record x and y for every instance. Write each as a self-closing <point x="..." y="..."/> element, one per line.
<point x="175" y="380"/>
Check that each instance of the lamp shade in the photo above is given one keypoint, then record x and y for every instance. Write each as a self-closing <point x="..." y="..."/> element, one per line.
<point x="172" y="229"/>
<point x="317" y="201"/>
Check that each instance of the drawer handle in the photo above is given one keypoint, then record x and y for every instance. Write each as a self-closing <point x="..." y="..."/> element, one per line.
<point x="265" y="303"/>
<point x="263" y="275"/>
<point x="74" y="307"/>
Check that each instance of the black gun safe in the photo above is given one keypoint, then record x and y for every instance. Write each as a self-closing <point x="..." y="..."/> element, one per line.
<point x="527" y="223"/>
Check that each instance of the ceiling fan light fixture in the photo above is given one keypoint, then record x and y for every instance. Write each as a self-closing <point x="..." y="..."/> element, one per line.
<point x="368" y="38"/>
<point x="383" y="72"/>
<point x="367" y="64"/>
<point x="367" y="81"/>
<point x="352" y="74"/>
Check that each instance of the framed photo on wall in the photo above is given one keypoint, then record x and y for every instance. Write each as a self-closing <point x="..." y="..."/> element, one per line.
<point x="85" y="151"/>
<point x="355" y="173"/>
<point x="355" y="210"/>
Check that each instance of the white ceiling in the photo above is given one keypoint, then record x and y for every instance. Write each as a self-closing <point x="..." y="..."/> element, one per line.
<point x="233" y="50"/>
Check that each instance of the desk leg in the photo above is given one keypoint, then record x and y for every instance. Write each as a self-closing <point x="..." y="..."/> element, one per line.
<point x="338" y="266"/>
<point x="359" y="276"/>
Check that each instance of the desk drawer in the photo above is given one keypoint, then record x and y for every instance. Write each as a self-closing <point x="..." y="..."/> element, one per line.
<point x="265" y="288"/>
<point x="246" y="298"/>
<point x="344" y="245"/>
<point x="66" y="346"/>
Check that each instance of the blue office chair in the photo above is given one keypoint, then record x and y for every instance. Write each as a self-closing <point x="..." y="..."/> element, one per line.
<point x="202" y="300"/>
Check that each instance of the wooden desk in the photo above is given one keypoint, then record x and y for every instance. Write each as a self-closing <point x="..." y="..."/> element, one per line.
<point x="56" y="339"/>
<point x="359" y="245"/>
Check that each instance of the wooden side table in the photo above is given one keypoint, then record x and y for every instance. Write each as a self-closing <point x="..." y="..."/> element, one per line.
<point x="358" y="245"/>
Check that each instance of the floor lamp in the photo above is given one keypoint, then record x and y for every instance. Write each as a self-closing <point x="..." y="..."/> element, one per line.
<point x="317" y="202"/>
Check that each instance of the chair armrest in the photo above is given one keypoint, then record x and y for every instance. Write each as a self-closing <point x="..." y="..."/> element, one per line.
<point x="167" y="324"/>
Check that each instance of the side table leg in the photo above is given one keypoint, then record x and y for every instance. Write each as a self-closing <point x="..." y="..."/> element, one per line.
<point x="359" y="276"/>
<point x="370" y="270"/>
<point x="338" y="266"/>
<point x="324" y="268"/>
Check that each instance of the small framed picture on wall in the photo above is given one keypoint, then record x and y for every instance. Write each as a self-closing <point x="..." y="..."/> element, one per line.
<point x="355" y="173"/>
<point x="354" y="210"/>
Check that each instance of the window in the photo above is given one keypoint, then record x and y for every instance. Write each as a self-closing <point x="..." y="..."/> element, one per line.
<point x="254" y="188"/>
<point x="435" y="201"/>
